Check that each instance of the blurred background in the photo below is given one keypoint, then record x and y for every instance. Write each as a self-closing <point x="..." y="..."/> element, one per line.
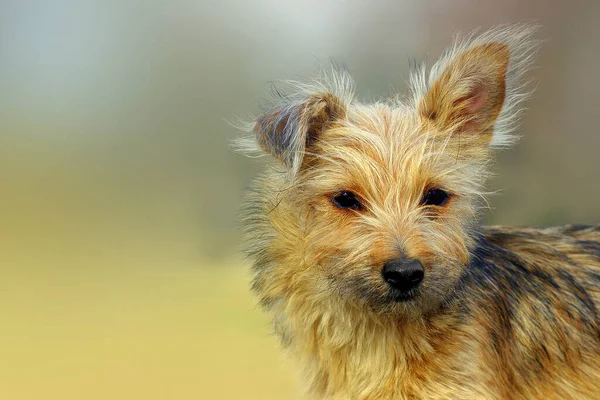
<point x="120" y="276"/>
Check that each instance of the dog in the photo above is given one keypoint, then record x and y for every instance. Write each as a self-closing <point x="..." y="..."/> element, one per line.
<point x="368" y="256"/>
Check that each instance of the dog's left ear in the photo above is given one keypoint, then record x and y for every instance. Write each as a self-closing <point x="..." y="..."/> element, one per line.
<point x="469" y="93"/>
<point x="476" y="90"/>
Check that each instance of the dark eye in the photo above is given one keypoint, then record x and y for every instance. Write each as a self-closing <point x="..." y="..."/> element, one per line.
<point x="347" y="200"/>
<point x="435" y="197"/>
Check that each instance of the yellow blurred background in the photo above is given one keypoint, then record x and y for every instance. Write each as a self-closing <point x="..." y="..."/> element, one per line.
<point x="120" y="276"/>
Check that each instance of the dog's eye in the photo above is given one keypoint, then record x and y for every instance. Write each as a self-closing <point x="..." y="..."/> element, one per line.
<point x="435" y="197"/>
<point x="347" y="200"/>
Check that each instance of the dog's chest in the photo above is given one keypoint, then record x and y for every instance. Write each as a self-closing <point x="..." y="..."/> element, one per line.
<point x="388" y="364"/>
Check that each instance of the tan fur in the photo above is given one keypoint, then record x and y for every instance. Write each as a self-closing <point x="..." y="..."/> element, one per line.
<point x="503" y="313"/>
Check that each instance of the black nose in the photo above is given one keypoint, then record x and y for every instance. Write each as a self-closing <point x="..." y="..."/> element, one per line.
<point x="403" y="274"/>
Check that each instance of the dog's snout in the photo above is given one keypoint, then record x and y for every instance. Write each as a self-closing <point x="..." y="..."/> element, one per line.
<point x="403" y="274"/>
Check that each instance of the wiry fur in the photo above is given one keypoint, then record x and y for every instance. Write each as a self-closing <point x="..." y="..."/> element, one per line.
<point x="503" y="313"/>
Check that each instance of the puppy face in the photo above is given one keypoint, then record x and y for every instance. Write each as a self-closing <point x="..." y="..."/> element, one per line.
<point x="376" y="204"/>
<point x="383" y="187"/>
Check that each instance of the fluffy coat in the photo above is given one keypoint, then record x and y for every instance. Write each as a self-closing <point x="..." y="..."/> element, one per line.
<point x="502" y="312"/>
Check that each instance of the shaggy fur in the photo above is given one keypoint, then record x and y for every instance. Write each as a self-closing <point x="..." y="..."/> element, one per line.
<point x="502" y="313"/>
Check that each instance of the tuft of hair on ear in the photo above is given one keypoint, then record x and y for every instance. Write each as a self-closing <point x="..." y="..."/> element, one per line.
<point x="479" y="84"/>
<point x="297" y="116"/>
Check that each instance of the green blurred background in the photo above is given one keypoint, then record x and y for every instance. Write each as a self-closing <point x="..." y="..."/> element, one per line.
<point x="120" y="274"/>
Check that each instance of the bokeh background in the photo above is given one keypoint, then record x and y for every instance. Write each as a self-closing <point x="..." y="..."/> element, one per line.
<point x="120" y="276"/>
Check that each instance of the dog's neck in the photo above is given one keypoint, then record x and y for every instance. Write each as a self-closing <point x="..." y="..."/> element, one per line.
<point x="341" y="345"/>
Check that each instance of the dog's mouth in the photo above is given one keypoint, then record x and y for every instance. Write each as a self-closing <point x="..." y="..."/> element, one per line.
<point x="377" y="294"/>
<point x="402" y="297"/>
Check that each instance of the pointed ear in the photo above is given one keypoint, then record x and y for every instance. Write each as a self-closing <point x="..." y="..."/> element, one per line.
<point x="476" y="89"/>
<point x="469" y="93"/>
<point x="286" y="130"/>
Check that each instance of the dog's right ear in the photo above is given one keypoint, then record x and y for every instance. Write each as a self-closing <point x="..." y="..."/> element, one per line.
<point x="288" y="129"/>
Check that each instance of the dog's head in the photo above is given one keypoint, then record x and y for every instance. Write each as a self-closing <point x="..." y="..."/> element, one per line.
<point x="376" y="203"/>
